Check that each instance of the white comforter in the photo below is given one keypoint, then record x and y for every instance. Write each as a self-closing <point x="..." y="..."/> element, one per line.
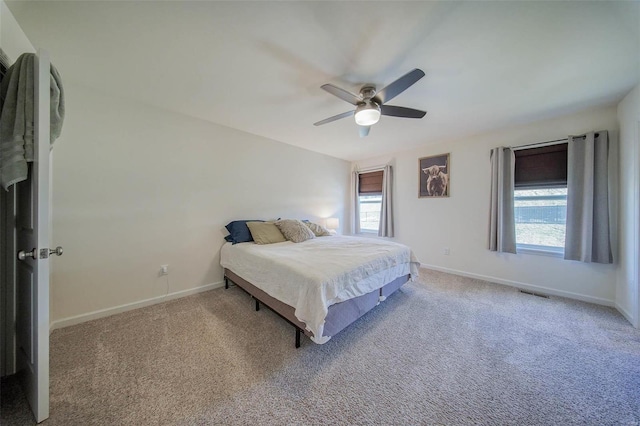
<point x="317" y="273"/>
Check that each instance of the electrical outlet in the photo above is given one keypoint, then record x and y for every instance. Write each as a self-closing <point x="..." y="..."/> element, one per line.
<point x="164" y="269"/>
<point x="446" y="251"/>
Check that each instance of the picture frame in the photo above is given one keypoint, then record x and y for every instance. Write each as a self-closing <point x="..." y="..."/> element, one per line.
<point x="434" y="176"/>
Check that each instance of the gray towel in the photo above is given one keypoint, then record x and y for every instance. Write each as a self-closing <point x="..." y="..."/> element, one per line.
<point x="16" y="118"/>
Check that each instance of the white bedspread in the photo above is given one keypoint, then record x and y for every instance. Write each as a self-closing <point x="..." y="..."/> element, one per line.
<point x="315" y="274"/>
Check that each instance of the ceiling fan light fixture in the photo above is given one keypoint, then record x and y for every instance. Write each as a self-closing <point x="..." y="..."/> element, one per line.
<point x="371" y="103"/>
<point x="367" y="114"/>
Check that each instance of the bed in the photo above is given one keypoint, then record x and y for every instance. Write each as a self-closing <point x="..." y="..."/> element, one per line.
<point x="321" y="285"/>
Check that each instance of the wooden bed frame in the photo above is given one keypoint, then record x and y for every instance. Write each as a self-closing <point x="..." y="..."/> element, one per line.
<point x="339" y="316"/>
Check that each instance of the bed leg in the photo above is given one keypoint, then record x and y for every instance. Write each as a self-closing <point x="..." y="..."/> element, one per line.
<point x="257" y="305"/>
<point x="297" y="337"/>
<point x="226" y="283"/>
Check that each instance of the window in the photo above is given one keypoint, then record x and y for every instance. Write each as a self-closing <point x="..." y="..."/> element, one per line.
<point x="541" y="216"/>
<point x="370" y="200"/>
<point x="370" y="206"/>
<point x="540" y="198"/>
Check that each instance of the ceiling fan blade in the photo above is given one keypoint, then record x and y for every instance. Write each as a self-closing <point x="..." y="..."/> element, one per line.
<point x="398" y="111"/>
<point x="334" y="118"/>
<point x="364" y="130"/>
<point x="342" y="94"/>
<point x="399" y="86"/>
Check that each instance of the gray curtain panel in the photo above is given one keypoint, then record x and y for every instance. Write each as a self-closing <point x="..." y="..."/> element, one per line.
<point x="502" y="227"/>
<point x="588" y="236"/>
<point x="355" y="206"/>
<point x="386" y="212"/>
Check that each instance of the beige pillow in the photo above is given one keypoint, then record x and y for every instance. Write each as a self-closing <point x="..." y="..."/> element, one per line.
<point x="318" y="230"/>
<point x="265" y="233"/>
<point x="295" y="230"/>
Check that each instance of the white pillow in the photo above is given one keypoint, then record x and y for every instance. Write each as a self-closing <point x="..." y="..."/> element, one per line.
<point x="318" y="230"/>
<point x="295" y="230"/>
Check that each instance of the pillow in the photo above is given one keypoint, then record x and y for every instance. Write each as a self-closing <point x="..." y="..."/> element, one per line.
<point x="239" y="232"/>
<point x="265" y="232"/>
<point x="294" y="230"/>
<point x="318" y="230"/>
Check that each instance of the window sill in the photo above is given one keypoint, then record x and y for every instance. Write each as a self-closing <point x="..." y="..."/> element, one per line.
<point x="367" y="234"/>
<point x="540" y="250"/>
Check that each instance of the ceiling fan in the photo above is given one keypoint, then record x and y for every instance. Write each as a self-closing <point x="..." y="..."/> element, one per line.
<point x="371" y="104"/>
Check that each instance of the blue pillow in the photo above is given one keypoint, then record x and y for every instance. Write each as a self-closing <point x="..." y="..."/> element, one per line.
<point x="239" y="231"/>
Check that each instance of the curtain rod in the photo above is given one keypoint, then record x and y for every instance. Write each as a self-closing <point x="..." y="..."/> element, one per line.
<point x="547" y="143"/>
<point x="539" y="144"/>
<point x="370" y="169"/>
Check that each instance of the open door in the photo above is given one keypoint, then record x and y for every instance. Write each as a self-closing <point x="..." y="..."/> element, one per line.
<point x="32" y="209"/>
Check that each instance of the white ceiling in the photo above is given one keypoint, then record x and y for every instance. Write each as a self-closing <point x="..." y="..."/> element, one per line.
<point x="258" y="66"/>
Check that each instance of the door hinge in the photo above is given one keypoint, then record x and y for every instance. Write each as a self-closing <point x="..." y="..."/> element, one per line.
<point x="44" y="253"/>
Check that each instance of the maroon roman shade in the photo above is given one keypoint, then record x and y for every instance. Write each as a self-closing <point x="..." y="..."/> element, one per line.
<point x="370" y="183"/>
<point x="541" y="167"/>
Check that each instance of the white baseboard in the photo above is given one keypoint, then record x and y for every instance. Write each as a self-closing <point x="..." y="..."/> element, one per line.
<point x="524" y="286"/>
<point x="626" y="314"/>
<point x="77" y="319"/>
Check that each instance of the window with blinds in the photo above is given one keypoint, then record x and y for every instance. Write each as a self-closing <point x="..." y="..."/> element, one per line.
<point x="370" y="200"/>
<point x="371" y="183"/>
<point x="541" y="167"/>
<point x="540" y="198"/>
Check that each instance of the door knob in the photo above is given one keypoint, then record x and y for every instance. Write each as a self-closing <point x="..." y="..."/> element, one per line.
<point x="22" y="255"/>
<point x="58" y="251"/>
<point x="44" y="253"/>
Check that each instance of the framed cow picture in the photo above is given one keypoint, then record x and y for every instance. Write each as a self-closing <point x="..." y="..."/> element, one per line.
<point x="434" y="176"/>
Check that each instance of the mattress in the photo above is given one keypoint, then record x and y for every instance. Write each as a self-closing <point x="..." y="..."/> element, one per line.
<point x="313" y="275"/>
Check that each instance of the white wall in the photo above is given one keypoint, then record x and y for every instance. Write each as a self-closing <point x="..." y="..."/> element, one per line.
<point x="136" y="187"/>
<point x="460" y="222"/>
<point x="13" y="40"/>
<point x="628" y="279"/>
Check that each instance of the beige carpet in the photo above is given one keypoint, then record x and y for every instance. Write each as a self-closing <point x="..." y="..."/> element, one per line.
<point x="445" y="350"/>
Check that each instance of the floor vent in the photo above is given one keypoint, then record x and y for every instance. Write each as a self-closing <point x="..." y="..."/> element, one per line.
<point x="534" y="294"/>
